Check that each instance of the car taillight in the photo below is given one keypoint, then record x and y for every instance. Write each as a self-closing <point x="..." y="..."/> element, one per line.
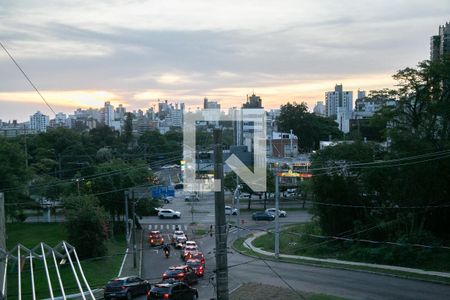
<point x="181" y="275"/>
<point x="151" y="241"/>
<point x="166" y="296"/>
<point x="162" y="240"/>
<point x="165" y="275"/>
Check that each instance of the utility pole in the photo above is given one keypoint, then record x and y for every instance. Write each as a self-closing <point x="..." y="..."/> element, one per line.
<point x="127" y="229"/>
<point x="237" y="194"/>
<point x="134" y="229"/>
<point x="2" y="237"/>
<point x="277" y="212"/>
<point x="221" y="227"/>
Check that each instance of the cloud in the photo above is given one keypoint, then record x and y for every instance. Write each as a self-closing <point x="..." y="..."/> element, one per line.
<point x="142" y="50"/>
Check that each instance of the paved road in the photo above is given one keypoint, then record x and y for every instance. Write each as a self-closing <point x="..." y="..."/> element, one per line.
<point x="343" y="283"/>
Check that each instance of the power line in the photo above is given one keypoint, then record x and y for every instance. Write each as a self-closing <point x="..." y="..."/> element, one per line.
<point x="28" y="78"/>
<point x="378" y="207"/>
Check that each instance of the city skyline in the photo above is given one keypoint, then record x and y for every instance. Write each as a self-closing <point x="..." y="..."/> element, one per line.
<point x="289" y="51"/>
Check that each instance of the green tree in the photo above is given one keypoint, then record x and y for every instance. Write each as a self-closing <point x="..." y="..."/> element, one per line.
<point x="87" y="226"/>
<point x="309" y="128"/>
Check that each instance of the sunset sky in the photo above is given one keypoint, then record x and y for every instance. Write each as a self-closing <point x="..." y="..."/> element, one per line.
<point x="82" y="53"/>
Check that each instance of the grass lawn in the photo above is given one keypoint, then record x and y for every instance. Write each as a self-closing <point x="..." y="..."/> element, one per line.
<point x="97" y="271"/>
<point x="436" y="260"/>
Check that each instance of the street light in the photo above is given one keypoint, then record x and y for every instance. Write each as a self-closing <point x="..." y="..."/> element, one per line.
<point x="77" y="180"/>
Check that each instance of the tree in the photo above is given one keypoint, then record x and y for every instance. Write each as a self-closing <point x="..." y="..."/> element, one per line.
<point x="128" y="129"/>
<point x="87" y="226"/>
<point x="309" y="128"/>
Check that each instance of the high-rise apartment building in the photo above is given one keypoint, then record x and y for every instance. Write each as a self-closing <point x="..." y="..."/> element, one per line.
<point x="338" y="99"/>
<point x="108" y="111"/>
<point x="210" y="104"/>
<point x="39" y="122"/>
<point x="440" y="44"/>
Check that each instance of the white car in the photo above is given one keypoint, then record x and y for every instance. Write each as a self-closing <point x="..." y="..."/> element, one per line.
<point x="191" y="244"/>
<point x="230" y="211"/>
<point x="180" y="242"/>
<point x="281" y="213"/>
<point x="169" y="213"/>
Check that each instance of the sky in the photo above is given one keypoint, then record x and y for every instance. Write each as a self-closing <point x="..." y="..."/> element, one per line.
<point x="81" y="53"/>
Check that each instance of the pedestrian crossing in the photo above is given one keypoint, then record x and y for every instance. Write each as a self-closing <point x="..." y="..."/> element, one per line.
<point x="166" y="227"/>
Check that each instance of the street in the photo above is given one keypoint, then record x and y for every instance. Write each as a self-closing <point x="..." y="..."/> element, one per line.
<point x="343" y="283"/>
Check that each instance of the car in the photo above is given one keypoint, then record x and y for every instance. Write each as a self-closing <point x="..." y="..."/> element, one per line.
<point x="182" y="273"/>
<point x="262" y="216"/>
<point x="177" y="233"/>
<point x="168" y="199"/>
<point x="188" y="252"/>
<point x="169" y="213"/>
<point x="230" y="211"/>
<point x="197" y="266"/>
<point x="191" y="243"/>
<point x="180" y="242"/>
<point x="245" y="196"/>
<point x="155" y="238"/>
<point x="172" y="290"/>
<point x="199" y="255"/>
<point x="192" y="198"/>
<point x="281" y="213"/>
<point x="126" y="288"/>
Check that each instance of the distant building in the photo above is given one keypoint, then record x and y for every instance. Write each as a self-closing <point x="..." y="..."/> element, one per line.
<point x="210" y="104"/>
<point x="39" y="122"/>
<point x="253" y="102"/>
<point x="120" y="113"/>
<point x="319" y="109"/>
<point x="283" y="145"/>
<point x="60" y="120"/>
<point x="108" y="114"/>
<point x="440" y="44"/>
<point x="338" y="98"/>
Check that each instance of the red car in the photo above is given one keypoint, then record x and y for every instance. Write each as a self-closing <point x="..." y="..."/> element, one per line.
<point x="155" y="238"/>
<point x="197" y="266"/>
<point x="199" y="256"/>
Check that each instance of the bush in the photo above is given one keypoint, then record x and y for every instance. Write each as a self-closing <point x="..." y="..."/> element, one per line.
<point x="87" y="226"/>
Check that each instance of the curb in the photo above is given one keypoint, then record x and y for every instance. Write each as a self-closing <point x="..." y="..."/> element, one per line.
<point x="248" y="244"/>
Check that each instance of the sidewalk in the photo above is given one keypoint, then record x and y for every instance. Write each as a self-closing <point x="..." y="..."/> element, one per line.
<point x="127" y="268"/>
<point x="248" y="244"/>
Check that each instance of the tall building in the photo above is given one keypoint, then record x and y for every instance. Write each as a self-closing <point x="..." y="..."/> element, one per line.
<point x="210" y="104"/>
<point x="440" y="44"/>
<point x="253" y="102"/>
<point x="120" y="113"/>
<point x="319" y="109"/>
<point x="39" y="122"/>
<point x="338" y="98"/>
<point x="108" y="111"/>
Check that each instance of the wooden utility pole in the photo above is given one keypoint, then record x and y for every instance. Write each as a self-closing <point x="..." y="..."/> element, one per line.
<point x="221" y="226"/>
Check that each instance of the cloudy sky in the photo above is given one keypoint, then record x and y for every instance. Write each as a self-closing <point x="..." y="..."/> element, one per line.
<point x="80" y="53"/>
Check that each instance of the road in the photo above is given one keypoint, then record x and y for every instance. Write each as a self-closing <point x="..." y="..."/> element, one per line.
<point x="342" y="283"/>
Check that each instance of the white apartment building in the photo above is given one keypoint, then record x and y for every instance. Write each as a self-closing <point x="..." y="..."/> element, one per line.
<point x="39" y="122"/>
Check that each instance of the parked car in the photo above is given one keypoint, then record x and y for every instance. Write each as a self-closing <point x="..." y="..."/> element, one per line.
<point x="126" y="288"/>
<point x="197" y="266"/>
<point x="281" y="213"/>
<point x="262" y="216"/>
<point x="179" y="186"/>
<point x="230" y="211"/>
<point x="182" y="273"/>
<point x="155" y="238"/>
<point x="168" y="213"/>
<point x="174" y="290"/>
